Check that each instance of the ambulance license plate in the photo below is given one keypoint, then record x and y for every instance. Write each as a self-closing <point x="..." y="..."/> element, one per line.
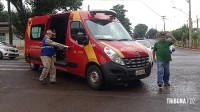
<point x="140" y="72"/>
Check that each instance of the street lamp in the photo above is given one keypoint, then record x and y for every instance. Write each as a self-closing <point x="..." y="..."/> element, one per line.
<point x="190" y="21"/>
<point x="180" y="10"/>
<point x="164" y="17"/>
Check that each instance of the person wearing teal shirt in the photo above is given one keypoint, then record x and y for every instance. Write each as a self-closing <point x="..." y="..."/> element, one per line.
<point x="162" y="56"/>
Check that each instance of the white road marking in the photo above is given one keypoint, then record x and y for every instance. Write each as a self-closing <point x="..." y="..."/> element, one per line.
<point x="14" y="66"/>
<point x="9" y="69"/>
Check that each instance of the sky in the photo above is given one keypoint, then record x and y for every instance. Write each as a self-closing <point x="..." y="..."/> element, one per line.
<point x="149" y="12"/>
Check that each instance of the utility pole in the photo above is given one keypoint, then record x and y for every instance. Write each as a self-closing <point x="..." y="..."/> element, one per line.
<point x="197" y="23"/>
<point x="88" y="7"/>
<point x="10" y="24"/>
<point x="190" y="24"/>
<point x="164" y="17"/>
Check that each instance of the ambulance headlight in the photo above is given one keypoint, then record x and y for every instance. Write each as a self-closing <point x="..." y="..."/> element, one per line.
<point x="113" y="56"/>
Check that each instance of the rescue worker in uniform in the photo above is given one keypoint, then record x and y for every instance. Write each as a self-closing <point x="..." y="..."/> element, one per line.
<point x="47" y="58"/>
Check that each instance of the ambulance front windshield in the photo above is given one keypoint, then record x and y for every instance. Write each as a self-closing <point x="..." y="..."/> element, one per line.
<point x="107" y="30"/>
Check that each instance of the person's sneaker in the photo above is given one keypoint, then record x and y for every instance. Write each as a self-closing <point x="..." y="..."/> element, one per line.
<point x="54" y="82"/>
<point x="160" y="84"/>
<point x="43" y="82"/>
<point x="166" y="84"/>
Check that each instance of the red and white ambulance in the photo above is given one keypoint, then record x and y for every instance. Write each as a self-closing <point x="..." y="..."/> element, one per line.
<point x="101" y="50"/>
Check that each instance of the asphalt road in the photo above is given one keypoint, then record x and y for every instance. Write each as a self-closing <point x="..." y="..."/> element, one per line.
<point x="20" y="90"/>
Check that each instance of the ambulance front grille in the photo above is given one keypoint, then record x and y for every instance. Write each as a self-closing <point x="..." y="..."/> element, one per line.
<point x="138" y="62"/>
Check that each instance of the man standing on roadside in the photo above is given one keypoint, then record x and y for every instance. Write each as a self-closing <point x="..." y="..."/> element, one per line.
<point x="162" y="56"/>
<point x="47" y="53"/>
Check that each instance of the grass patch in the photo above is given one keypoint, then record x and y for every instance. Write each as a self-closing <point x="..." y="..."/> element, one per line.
<point x="21" y="56"/>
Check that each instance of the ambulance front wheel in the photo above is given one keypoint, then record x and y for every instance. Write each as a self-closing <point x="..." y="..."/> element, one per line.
<point x="33" y="66"/>
<point x="95" y="77"/>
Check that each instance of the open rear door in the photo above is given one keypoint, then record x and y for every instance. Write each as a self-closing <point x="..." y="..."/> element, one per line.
<point x="34" y="35"/>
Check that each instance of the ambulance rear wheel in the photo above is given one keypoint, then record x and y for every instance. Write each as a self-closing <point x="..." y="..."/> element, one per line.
<point x="95" y="77"/>
<point x="33" y="66"/>
<point x="26" y="57"/>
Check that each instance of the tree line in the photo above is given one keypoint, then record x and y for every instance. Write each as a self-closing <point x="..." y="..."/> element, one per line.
<point x="29" y="8"/>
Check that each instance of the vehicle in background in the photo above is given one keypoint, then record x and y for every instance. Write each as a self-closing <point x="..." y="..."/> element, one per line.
<point x="153" y="41"/>
<point x="8" y="51"/>
<point x="172" y="48"/>
<point x="148" y="45"/>
<point x="6" y="43"/>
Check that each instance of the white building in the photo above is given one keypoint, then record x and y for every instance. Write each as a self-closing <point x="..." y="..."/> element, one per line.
<point x="4" y="35"/>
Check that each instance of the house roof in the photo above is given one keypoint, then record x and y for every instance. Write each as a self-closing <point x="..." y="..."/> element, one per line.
<point x="4" y="24"/>
<point x="4" y="27"/>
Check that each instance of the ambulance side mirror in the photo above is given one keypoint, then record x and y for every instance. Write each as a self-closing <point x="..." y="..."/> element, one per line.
<point x="82" y="39"/>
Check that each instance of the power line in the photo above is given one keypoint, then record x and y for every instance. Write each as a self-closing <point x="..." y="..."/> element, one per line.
<point x="151" y="9"/>
<point x="156" y="12"/>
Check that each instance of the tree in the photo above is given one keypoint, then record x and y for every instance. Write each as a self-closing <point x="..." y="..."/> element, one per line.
<point x="50" y="6"/>
<point x="119" y="9"/>
<point x="195" y="37"/>
<point x="28" y="8"/>
<point x="1" y="7"/>
<point x="151" y="34"/>
<point x="181" y="34"/>
<point x="3" y="14"/>
<point x="20" y="17"/>
<point x="140" y="30"/>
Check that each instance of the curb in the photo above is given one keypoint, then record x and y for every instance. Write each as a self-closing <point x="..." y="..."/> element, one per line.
<point x="193" y="49"/>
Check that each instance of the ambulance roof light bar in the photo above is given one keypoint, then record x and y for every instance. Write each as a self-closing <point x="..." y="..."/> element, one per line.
<point x="106" y="12"/>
